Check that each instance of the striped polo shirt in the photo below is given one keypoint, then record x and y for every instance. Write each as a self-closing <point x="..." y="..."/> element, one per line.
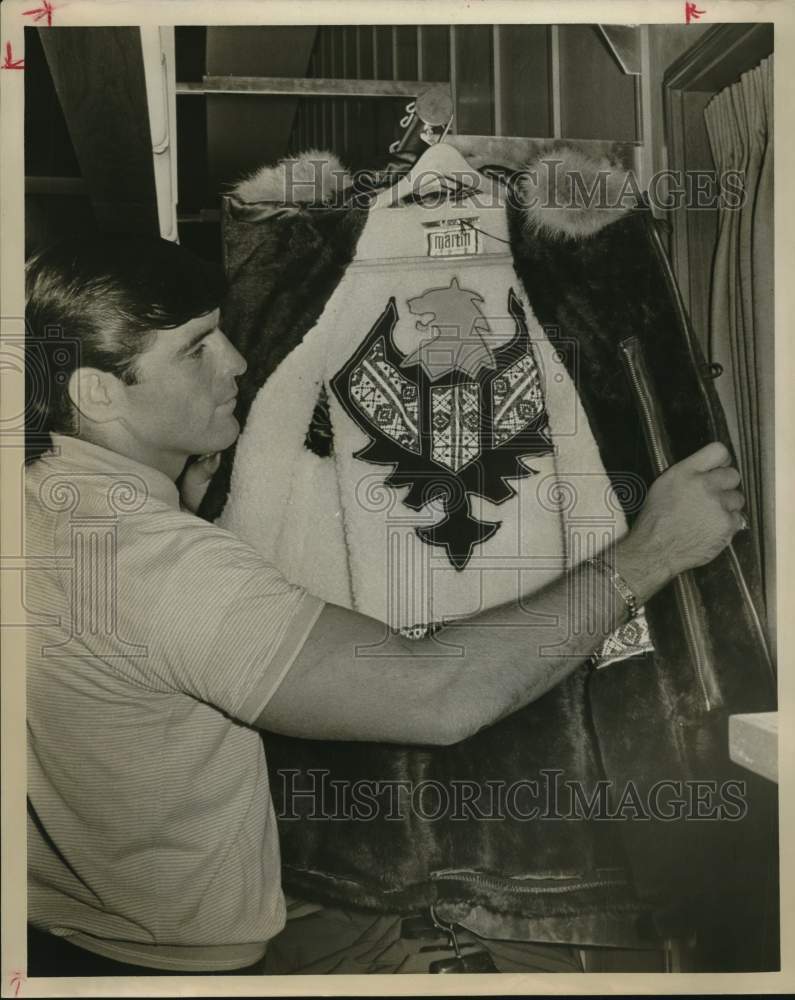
<point x="155" y="640"/>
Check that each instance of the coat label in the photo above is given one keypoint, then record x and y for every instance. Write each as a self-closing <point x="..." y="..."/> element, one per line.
<point x="453" y="239"/>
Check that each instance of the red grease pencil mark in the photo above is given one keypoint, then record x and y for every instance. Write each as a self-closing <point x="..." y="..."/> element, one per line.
<point x="17" y="980"/>
<point x="38" y="13"/>
<point x="10" y="61"/>
<point x="692" y="13"/>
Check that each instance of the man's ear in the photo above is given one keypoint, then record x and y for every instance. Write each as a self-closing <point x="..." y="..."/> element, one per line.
<point x="94" y="394"/>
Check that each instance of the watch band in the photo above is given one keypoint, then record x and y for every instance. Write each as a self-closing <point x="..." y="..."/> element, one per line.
<point x="618" y="582"/>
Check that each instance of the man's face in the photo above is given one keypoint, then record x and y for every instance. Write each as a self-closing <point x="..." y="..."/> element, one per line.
<point x="183" y="403"/>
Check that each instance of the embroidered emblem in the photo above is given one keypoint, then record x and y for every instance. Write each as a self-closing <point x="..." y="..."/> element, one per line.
<point x="449" y="435"/>
<point x="633" y="638"/>
<point x="455" y="415"/>
<point x="517" y="398"/>
<point x="387" y="398"/>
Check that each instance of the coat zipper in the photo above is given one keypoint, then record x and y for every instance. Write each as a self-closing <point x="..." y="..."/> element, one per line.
<point x="512" y="885"/>
<point x="495" y="882"/>
<point x="684" y="585"/>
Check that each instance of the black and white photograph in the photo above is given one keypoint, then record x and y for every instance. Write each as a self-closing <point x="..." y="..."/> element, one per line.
<point x="392" y="441"/>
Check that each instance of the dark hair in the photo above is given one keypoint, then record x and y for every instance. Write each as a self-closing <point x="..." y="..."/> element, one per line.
<point x="95" y="302"/>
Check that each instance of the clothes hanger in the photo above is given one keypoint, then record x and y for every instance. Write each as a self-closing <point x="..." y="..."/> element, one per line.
<point x="440" y="167"/>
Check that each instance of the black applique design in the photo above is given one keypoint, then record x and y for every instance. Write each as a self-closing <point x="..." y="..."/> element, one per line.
<point x="447" y="438"/>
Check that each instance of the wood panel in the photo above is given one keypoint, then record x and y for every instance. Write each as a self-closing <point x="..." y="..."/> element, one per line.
<point x="723" y="53"/>
<point x="364" y="35"/>
<point x="474" y="70"/>
<point x="524" y="80"/>
<point x="99" y="77"/>
<point x="598" y="100"/>
<point x="353" y="106"/>
<point x="667" y="42"/>
<point x="362" y="155"/>
<point x="435" y="53"/>
<point x="337" y="71"/>
<point x="326" y="71"/>
<point x="406" y="47"/>
<point x="193" y="181"/>
<point x="359" y="126"/>
<point x="190" y="49"/>
<point x="242" y="134"/>
<point x="385" y="67"/>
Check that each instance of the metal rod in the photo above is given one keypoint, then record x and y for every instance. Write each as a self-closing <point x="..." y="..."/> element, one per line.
<point x="302" y="87"/>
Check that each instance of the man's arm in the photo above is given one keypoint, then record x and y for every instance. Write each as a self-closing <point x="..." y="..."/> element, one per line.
<point x="354" y="681"/>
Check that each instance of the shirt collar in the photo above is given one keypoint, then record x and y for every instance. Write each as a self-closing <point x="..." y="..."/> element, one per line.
<point x="90" y="457"/>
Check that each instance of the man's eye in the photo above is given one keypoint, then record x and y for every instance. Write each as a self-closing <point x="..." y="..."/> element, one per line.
<point x="198" y="352"/>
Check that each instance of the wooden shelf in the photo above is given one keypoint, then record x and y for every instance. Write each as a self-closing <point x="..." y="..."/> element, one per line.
<point x="753" y="742"/>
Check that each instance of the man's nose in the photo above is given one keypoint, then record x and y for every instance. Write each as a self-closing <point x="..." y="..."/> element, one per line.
<point x="234" y="362"/>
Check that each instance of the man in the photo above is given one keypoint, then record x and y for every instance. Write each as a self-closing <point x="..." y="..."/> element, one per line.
<point x="160" y="644"/>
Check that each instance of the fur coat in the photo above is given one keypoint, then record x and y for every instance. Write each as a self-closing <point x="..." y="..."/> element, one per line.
<point x="601" y="278"/>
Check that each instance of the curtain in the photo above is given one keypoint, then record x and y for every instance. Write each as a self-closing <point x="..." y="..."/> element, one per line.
<point x="739" y="123"/>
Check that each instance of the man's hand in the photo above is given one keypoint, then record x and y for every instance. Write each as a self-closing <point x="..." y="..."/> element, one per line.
<point x="691" y="514"/>
<point x="196" y="479"/>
